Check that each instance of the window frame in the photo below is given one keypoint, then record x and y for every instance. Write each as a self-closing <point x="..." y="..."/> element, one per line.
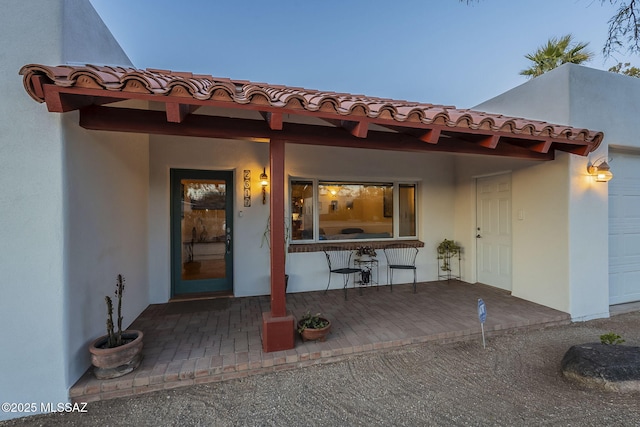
<point x="316" y="212"/>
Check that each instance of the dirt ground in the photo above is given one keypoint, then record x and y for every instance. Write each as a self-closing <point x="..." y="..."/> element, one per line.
<point x="515" y="381"/>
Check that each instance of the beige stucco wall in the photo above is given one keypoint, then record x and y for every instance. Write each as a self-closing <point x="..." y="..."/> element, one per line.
<point x="307" y="271"/>
<point x="541" y="240"/>
<point x="467" y="170"/>
<point x="569" y="272"/>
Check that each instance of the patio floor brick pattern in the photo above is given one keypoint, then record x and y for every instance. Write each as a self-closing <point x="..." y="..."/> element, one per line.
<point x="204" y="341"/>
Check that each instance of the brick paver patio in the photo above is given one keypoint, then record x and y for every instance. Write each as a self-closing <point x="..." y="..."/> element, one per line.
<point x="202" y="341"/>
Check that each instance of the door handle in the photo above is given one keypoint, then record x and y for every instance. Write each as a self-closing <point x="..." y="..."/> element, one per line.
<point x="478" y="236"/>
<point x="228" y="244"/>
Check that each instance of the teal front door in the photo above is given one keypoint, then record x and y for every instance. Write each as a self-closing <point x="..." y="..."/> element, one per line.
<point x="201" y="231"/>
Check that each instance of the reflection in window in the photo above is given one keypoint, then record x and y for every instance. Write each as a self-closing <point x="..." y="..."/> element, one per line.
<point x="407" y="208"/>
<point x="302" y="215"/>
<point x="351" y="210"/>
<point x="355" y="211"/>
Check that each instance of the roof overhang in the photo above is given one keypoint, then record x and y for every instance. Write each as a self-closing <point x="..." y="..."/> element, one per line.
<point x="285" y="113"/>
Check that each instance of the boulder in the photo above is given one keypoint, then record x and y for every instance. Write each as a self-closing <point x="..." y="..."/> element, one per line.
<point x="603" y="366"/>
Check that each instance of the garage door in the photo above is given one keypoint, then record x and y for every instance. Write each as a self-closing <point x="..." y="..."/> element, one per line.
<point x="624" y="229"/>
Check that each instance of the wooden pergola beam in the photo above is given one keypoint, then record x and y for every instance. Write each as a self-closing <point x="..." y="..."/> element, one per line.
<point x="431" y="136"/>
<point x="61" y="102"/>
<point x="490" y="141"/>
<point x="154" y="122"/>
<point x="177" y="112"/>
<point x="274" y="120"/>
<point x="62" y="99"/>
<point x="541" y="147"/>
<point x="359" y="129"/>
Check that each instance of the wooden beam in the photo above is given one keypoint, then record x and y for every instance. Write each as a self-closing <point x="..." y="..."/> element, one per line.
<point x="359" y="129"/>
<point x="273" y="119"/>
<point x="176" y="112"/>
<point x="423" y="132"/>
<point x="581" y="150"/>
<point x="490" y="141"/>
<point x="277" y="229"/>
<point x="37" y="83"/>
<point x="61" y="102"/>
<point x="431" y="136"/>
<point x="541" y="147"/>
<point x="154" y="122"/>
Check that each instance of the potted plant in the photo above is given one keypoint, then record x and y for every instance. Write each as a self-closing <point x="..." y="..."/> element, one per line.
<point x="365" y="252"/>
<point x="313" y="327"/>
<point x="119" y="352"/>
<point x="447" y="249"/>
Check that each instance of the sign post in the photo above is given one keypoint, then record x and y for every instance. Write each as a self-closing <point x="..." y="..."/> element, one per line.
<point x="482" y="315"/>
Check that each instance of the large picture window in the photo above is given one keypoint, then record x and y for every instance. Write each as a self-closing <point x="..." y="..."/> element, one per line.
<point x="332" y="210"/>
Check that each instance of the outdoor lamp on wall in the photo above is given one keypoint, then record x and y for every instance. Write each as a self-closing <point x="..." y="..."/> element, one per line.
<point x="600" y="170"/>
<point x="264" y="181"/>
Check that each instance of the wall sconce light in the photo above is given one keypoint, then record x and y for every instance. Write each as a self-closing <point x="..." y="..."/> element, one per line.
<point x="600" y="170"/>
<point x="264" y="181"/>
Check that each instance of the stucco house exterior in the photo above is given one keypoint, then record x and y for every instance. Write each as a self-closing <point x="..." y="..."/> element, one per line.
<point x="97" y="177"/>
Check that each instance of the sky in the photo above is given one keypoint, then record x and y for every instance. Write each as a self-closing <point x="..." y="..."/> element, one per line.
<point x="430" y="51"/>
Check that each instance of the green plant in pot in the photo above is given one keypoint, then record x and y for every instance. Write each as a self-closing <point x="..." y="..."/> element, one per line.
<point x="446" y="250"/>
<point x="313" y="327"/>
<point x="118" y="352"/>
<point x="365" y="252"/>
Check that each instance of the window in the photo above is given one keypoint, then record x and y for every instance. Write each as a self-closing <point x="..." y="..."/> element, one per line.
<point x="407" y="208"/>
<point x="352" y="210"/>
<point x="302" y="216"/>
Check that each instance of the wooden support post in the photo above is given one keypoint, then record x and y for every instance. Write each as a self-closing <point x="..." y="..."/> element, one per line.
<point x="278" y="326"/>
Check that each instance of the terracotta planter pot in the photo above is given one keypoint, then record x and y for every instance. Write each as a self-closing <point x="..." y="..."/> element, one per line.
<point x="117" y="361"/>
<point x="309" y="334"/>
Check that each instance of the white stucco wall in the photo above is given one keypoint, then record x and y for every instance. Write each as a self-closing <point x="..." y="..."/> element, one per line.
<point x="32" y="364"/>
<point x="43" y="296"/>
<point x="106" y="199"/>
<point x="575" y="278"/>
<point x="611" y="103"/>
<point x="251" y="262"/>
<point x="86" y="40"/>
<point x="307" y="270"/>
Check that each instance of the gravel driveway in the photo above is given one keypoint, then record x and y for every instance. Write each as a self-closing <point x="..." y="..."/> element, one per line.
<point x="516" y="381"/>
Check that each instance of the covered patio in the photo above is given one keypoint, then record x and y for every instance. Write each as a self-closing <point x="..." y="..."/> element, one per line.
<point x="202" y="341"/>
<point x="184" y="106"/>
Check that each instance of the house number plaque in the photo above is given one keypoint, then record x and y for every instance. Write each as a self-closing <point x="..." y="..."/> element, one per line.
<point x="247" y="188"/>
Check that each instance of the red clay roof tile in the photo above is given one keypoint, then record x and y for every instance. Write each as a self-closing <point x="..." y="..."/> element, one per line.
<point x="205" y="87"/>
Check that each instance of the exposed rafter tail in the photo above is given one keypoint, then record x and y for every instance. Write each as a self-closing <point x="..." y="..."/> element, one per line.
<point x="431" y="136"/>
<point x="176" y="112"/>
<point x="490" y="141"/>
<point x="274" y="120"/>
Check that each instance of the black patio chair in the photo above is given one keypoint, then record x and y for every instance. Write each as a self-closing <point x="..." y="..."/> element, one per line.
<point x="401" y="256"/>
<point x="339" y="262"/>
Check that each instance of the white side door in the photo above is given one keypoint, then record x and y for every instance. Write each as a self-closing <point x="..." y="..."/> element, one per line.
<point x="493" y="230"/>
